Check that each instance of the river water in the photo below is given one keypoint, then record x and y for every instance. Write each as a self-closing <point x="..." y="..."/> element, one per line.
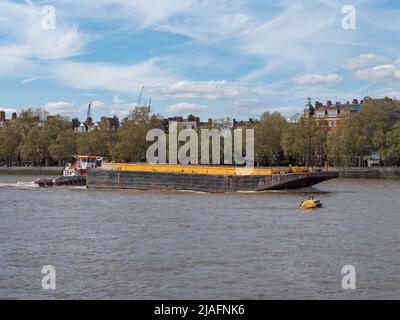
<point x="184" y="245"/>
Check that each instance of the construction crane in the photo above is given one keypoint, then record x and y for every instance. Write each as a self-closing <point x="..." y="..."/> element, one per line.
<point x="140" y="97"/>
<point x="89" y="111"/>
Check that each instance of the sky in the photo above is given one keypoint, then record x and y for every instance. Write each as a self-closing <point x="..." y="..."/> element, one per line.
<point x="211" y="58"/>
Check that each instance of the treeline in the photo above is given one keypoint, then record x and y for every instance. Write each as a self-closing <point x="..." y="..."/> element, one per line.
<point x="36" y="139"/>
<point x="374" y="130"/>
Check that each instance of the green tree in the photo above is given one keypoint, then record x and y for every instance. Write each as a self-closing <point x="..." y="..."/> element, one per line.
<point x="347" y="143"/>
<point x="131" y="144"/>
<point x="393" y="143"/>
<point x="64" y="146"/>
<point x="306" y="141"/>
<point x="29" y="148"/>
<point x="97" y="142"/>
<point x="268" y="136"/>
<point x="10" y="138"/>
<point x="48" y="134"/>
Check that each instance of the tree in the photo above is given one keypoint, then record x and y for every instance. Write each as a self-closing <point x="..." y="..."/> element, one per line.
<point x="10" y="138"/>
<point x="347" y="143"/>
<point x="140" y="114"/>
<point x="306" y="141"/>
<point x="64" y="146"/>
<point x="393" y="143"/>
<point x="131" y="144"/>
<point x="29" y="148"/>
<point x="49" y="133"/>
<point x="362" y="133"/>
<point x="97" y="142"/>
<point x="268" y="136"/>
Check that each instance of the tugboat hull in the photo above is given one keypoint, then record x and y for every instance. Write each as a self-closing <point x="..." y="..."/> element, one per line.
<point x="62" y="181"/>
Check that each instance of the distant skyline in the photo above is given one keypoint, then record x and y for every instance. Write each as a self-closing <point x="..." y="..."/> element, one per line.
<point x="212" y="58"/>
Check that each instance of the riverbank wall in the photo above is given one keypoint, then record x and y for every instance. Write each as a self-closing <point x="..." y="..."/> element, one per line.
<point x="368" y="173"/>
<point x="35" y="171"/>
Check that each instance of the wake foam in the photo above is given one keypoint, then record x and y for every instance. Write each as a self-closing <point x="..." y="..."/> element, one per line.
<point x="20" y="185"/>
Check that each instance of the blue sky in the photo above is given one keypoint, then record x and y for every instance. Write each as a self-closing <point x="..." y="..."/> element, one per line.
<point x="212" y="58"/>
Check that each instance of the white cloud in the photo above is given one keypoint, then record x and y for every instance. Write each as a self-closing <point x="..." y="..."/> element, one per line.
<point x="184" y="107"/>
<point x="129" y="79"/>
<point x="137" y="14"/>
<point x="112" y="77"/>
<point x="186" y="89"/>
<point x="117" y="99"/>
<point x="363" y="60"/>
<point x="210" y="21"/>
<point x="26" y="81"/>
<point x="383" y="72"/>
<point x="291" y="36"/>
<point x="28" y="43"/>
<point x="317" y="79"/>
<point x="98" y="105"/>
<point x="59" y="107"/>
<point x="203" y="20"/>
<point x="122" y="110"/>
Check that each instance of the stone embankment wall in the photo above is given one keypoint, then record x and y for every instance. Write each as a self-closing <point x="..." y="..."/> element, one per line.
<point x="54" y="171"/>
<point x="368" y="173"/>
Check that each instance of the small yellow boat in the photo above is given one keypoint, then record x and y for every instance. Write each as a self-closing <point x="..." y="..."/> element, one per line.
<point x="310" y="204"/>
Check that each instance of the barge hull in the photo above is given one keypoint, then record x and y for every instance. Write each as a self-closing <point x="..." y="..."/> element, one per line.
<point x="115" y="179"/>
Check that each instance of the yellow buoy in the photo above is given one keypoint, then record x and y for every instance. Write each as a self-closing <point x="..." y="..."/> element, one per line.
<point x="310" y="204"/>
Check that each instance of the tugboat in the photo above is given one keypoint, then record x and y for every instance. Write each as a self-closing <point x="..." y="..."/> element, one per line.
<point x="74" y="174"/>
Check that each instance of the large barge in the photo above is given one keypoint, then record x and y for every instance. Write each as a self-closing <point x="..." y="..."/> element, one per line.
<point x="201" y="178"/>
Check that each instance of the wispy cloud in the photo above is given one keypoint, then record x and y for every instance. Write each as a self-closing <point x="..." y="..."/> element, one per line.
<point x="113" y="77"/>
<point x="382" y="72"/>
<point x="185" y="107"/>
<point x="364" y="60"/>
<point x="59" y="107"/>
<point x="25" y="81"/>
<point x="317" y="79"/>
<point x="30" y="41"/>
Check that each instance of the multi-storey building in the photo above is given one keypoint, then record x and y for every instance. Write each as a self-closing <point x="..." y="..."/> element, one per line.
<point x="333" y="113"/>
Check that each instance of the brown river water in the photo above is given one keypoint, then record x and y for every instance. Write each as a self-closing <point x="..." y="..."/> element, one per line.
<point x="186" y="245"/>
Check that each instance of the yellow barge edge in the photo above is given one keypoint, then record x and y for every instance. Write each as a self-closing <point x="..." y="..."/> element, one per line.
<point x="201" y="169"/>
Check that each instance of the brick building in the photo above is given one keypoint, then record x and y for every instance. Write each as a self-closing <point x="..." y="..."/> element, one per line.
<point x="333" y="113"/>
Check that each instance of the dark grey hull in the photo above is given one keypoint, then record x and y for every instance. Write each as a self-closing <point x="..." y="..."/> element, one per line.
<point x="108" y="179"/>
<point x="62" y="181"/>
